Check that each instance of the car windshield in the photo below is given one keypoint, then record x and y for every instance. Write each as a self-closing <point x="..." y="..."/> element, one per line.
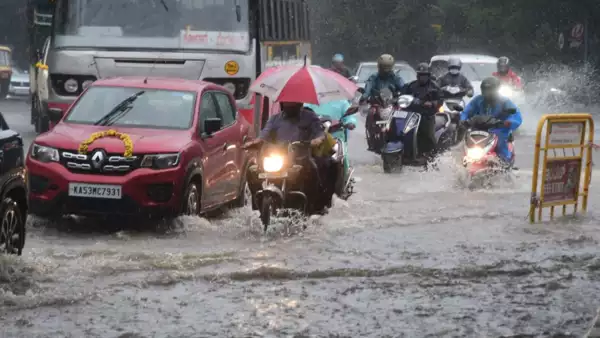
<point x="4" y="58"/>
<point x="171" y="24"/>
<point x="367" y="70"/>
<point x="156" y="109"/>
<point x="473" y="71"/>
<point x="477" y="71"/>
<point x="407" y="74"/>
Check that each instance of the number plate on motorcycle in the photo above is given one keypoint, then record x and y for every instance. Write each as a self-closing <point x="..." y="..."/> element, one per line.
<point x="400" y="114"/>
<point x="272" y="175"/>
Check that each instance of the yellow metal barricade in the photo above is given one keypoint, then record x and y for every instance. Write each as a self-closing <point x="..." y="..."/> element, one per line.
<point x="563" y="141"/>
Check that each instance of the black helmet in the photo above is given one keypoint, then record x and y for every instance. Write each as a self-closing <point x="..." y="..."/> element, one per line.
<point x="454" y="62"/>
<point x="503" y="65"/>
<point x="490" y="83"/>
<point x="423" y="69"/>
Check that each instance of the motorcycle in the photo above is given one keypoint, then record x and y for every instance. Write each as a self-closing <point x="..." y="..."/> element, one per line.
<point x="480" y="158"/>
<point x="284" y="175"/>
<point x="380" y="109"/>
<point x="344" y="186"/>
<point x="453" y="97"/>
<point x="400" y="134"/>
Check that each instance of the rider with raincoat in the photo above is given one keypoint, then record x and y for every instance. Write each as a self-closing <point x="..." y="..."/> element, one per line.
<point x="490" y="102"/>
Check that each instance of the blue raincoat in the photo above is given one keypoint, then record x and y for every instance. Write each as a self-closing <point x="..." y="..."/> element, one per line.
<point x="476" y="107"/>
<point x="376" y="82"/>
<point x="335" y="110"/>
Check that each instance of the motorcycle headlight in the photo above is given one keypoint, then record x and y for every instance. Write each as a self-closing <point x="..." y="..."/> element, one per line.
<point x="475" y="153"/>
<point x="441" y="110"/>
<point x="411" y="124"/>
<point x="272" y="163"/>
<point x="506" y="91"/>
<point x="160" y="161"/>
<point x="71" y="86"/>
<point x="44" y="154"/>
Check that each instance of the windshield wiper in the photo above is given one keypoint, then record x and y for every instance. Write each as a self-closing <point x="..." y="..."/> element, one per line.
<point x="119" y="110"/>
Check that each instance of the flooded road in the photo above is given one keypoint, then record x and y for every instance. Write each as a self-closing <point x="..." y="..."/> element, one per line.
<point x="410" y="255"/>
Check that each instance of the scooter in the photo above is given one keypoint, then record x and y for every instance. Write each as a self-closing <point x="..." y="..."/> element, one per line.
<point x="380" y="109"/>
<point x="400" y="135"/>
<point x="480" y="158"/>
<point x="344" y="186"/>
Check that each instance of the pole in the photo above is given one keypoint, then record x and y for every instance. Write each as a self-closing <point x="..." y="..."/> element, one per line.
<point x="585" y="43"/>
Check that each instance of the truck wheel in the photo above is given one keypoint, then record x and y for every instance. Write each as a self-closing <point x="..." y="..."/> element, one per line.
<point x="42" y="124"/>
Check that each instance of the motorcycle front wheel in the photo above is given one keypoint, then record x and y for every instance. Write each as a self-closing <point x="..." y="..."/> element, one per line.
<point x="392" y="162"/>
<point x="266" y="209"/>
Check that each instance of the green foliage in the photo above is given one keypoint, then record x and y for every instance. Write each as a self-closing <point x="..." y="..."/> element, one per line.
<point x="524" y="30"/>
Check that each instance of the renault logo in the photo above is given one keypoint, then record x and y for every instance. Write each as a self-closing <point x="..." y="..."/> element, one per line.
<point x="98" y="158"/>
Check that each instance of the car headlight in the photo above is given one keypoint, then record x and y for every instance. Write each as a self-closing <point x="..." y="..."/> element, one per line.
<point x="71" y="86"/>
<point x="411" y="124"/>
<point x="86" y="84"/>
<point x="44" y="154"/>
<point x="160" y="161"/>
<point x="272" y="163"/>
<point x="505" y="91"/>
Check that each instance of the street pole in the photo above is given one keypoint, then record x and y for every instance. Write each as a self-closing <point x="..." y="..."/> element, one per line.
<point x="585" y="43"/>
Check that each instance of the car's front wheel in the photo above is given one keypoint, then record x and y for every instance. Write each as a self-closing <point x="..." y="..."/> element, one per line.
<point x="12" y="228"/>
<point x="191" y="200"/>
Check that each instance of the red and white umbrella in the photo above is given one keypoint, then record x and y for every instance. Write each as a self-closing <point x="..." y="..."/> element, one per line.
<point x="306" y="84"/>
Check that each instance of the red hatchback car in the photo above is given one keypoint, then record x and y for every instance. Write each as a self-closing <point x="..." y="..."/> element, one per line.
<point x="141" y="147"/>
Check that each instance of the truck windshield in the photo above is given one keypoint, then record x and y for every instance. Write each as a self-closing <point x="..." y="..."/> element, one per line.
<point x="153" y="24"/>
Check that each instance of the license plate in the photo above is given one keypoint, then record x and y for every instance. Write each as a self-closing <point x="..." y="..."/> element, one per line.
<point x="272" y="175"/>
<point x="400" y="114"/>
<point x="95" y="190"/>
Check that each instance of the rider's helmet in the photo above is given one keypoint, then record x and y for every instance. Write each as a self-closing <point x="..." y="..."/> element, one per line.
<point x="423" y="72"/>
<point x="503" y="65"/>
<point x="337" y="58"/>
<point x="489" y="88"/>
<point x="454" y="65"/>
<point x="385" y="64"/>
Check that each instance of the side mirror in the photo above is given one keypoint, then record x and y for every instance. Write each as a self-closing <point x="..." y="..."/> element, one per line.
<point x="212" y="125"/>
<point x="55" y="114"/>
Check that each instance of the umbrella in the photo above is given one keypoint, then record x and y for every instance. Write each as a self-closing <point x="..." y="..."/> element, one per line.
<point x="306" y="84"/>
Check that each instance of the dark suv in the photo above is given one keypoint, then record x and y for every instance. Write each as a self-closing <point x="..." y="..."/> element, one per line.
<point x="13" y="208"/>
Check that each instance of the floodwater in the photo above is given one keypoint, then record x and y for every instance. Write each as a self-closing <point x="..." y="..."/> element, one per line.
<point x="413" y="254"/>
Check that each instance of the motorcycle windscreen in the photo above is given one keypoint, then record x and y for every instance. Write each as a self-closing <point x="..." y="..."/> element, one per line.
<point x="396" y="132"/>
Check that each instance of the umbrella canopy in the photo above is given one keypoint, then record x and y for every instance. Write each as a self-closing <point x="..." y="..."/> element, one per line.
<point x="306" y="84"/>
